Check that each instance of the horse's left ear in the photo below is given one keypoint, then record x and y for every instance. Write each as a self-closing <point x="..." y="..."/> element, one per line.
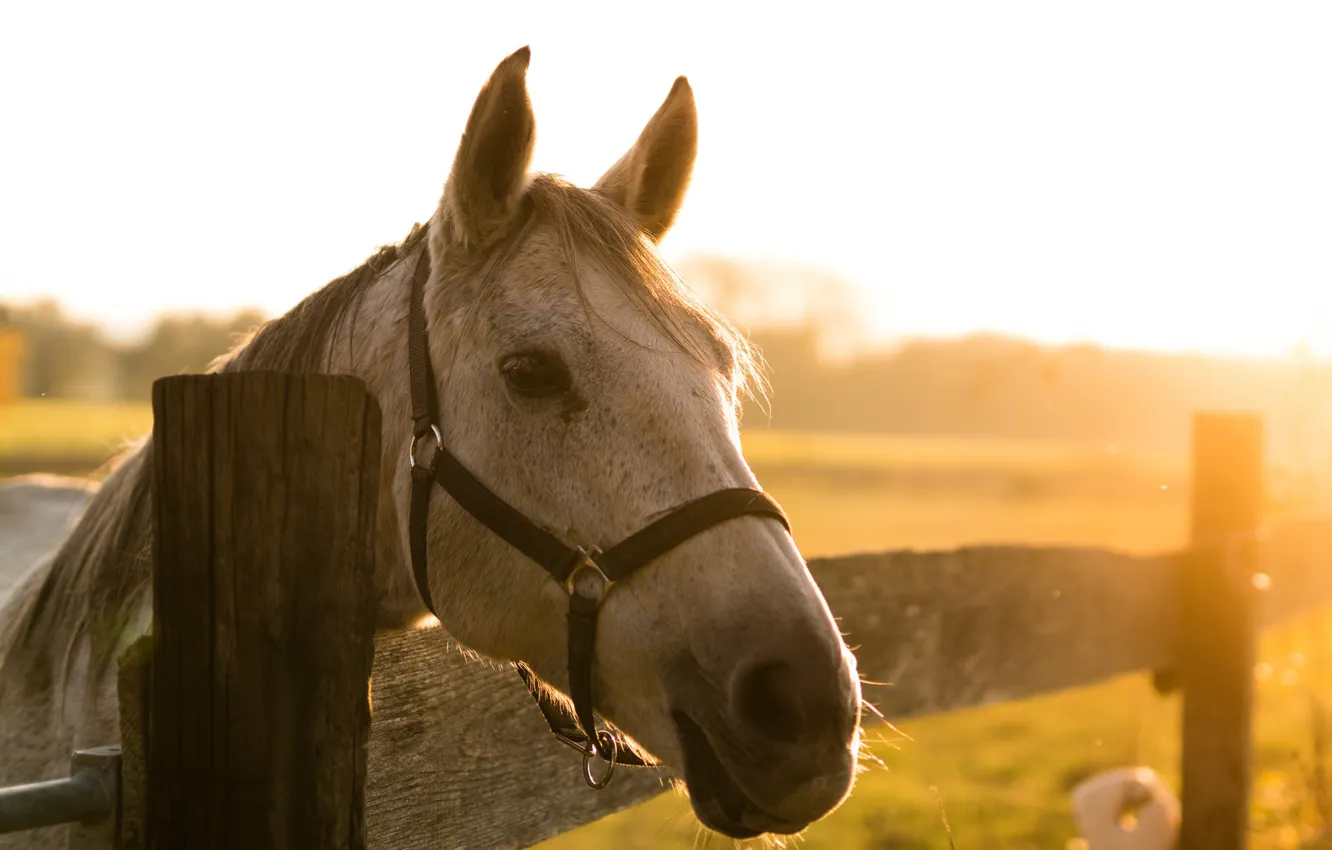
<point x="650" y="180"/>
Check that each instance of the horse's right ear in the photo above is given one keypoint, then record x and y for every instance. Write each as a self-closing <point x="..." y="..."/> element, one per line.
<point x="482" y="195"/>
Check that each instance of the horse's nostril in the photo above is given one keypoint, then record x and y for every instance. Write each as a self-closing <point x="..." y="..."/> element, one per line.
<point x="768" y="698"/>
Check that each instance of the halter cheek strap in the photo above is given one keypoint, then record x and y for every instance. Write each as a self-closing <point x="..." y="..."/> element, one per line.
<point x="586" y="574"/>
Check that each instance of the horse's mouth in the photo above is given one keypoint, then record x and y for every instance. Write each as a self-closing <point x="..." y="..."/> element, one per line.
<point x="718" y="800"/>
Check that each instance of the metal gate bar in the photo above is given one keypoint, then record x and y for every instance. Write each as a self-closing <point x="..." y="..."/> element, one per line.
<point x="89" y="793"/>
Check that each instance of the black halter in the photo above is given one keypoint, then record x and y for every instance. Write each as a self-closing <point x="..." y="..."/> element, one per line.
<point x="586" y="574"/>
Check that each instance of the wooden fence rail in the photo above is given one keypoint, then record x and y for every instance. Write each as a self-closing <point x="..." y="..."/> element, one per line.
<point x="455" y="754"/>
<point x="947" y="630"/>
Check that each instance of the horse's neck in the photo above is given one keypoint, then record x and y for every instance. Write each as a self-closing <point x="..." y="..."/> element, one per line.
<point x="104" y="566"/>
<point x="378" y="356"/>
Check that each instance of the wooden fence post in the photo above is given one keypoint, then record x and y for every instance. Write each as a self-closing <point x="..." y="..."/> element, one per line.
<point x="265" y="495"/>
<point x="1217" y="631"/>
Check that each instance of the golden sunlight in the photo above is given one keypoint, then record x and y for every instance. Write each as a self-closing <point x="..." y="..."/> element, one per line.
<point x="996" y="259"/>
<point x="429" y="621"/>
<point x="998" y="170"/>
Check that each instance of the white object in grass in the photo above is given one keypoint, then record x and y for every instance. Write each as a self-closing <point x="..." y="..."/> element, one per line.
<point x="1126" y="809"/>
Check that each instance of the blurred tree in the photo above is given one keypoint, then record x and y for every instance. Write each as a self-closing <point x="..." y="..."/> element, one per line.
<point x="70" y="359"/>
<point x="180" y="344"/>
<point x="64" y="358"/>
<point x="12" y="350"/>
<point x="766" y="296"/>
<point x="983" y="384"/>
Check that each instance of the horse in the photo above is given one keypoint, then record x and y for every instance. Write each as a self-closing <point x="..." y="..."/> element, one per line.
<point x="587" y="387"/>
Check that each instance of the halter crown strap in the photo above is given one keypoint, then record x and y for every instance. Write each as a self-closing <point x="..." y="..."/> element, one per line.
<point x="585" y="575"/>
<point x="424" y="409"/>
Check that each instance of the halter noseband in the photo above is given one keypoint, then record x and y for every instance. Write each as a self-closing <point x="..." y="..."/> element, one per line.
<point x="586" y="574"/>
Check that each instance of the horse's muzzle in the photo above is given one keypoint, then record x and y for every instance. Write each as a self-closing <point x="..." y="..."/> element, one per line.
<point x="782" y="755"/>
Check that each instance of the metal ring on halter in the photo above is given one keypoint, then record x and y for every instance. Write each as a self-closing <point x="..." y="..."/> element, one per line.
<point x="613" y="748"/>
<point x="411" y="450"/>
<point x="586" y="578"/>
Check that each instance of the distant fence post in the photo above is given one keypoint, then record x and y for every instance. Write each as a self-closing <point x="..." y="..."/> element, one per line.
<point x="11" y="362"/>
<point x="1218" y="631"/>
<point x="265" y="495"/>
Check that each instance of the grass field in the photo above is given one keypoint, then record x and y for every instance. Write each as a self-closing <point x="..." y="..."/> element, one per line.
<point x="998" y="777"/>
<point x="38" y="431"/>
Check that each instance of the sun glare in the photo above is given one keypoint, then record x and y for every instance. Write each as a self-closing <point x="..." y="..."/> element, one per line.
<point x="1000" y="169"/>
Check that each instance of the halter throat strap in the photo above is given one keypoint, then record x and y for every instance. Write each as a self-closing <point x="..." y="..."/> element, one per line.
<point x="586" y="574"/>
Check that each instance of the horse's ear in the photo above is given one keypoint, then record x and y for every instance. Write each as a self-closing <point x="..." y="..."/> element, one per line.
<point x="650" y="180"/>
<point x="489" y="173"/>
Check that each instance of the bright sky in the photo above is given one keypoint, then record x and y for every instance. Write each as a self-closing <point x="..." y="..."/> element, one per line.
<point x="1135" y="173"/>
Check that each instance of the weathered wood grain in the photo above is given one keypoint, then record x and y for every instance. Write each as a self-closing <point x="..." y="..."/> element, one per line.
<point x="962" y="628"/>
<point x="265" y="495"/>
<point x="460" y="757"/>
<point x="134" y="675"/>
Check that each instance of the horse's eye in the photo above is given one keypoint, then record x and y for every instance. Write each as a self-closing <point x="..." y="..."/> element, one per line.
<point x="536" y="374"/>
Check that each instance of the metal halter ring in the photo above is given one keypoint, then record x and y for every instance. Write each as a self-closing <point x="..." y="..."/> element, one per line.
<point x="586" y="578"/>
<point x="613" y="748"/>
<point x="416" y="438"/>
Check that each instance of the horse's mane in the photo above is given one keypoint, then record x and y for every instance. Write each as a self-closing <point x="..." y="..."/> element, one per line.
<point x="103" y="567"/>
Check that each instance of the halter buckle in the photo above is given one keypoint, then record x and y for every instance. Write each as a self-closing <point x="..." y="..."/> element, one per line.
<point x="416" y="439"/>
<point x="586" y="578"/>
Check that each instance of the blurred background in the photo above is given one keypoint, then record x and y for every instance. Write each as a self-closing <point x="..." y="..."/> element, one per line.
<point x="995" y="255"/>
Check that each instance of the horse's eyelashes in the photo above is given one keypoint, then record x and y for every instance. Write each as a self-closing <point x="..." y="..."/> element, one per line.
<point x="537" y="374"/>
